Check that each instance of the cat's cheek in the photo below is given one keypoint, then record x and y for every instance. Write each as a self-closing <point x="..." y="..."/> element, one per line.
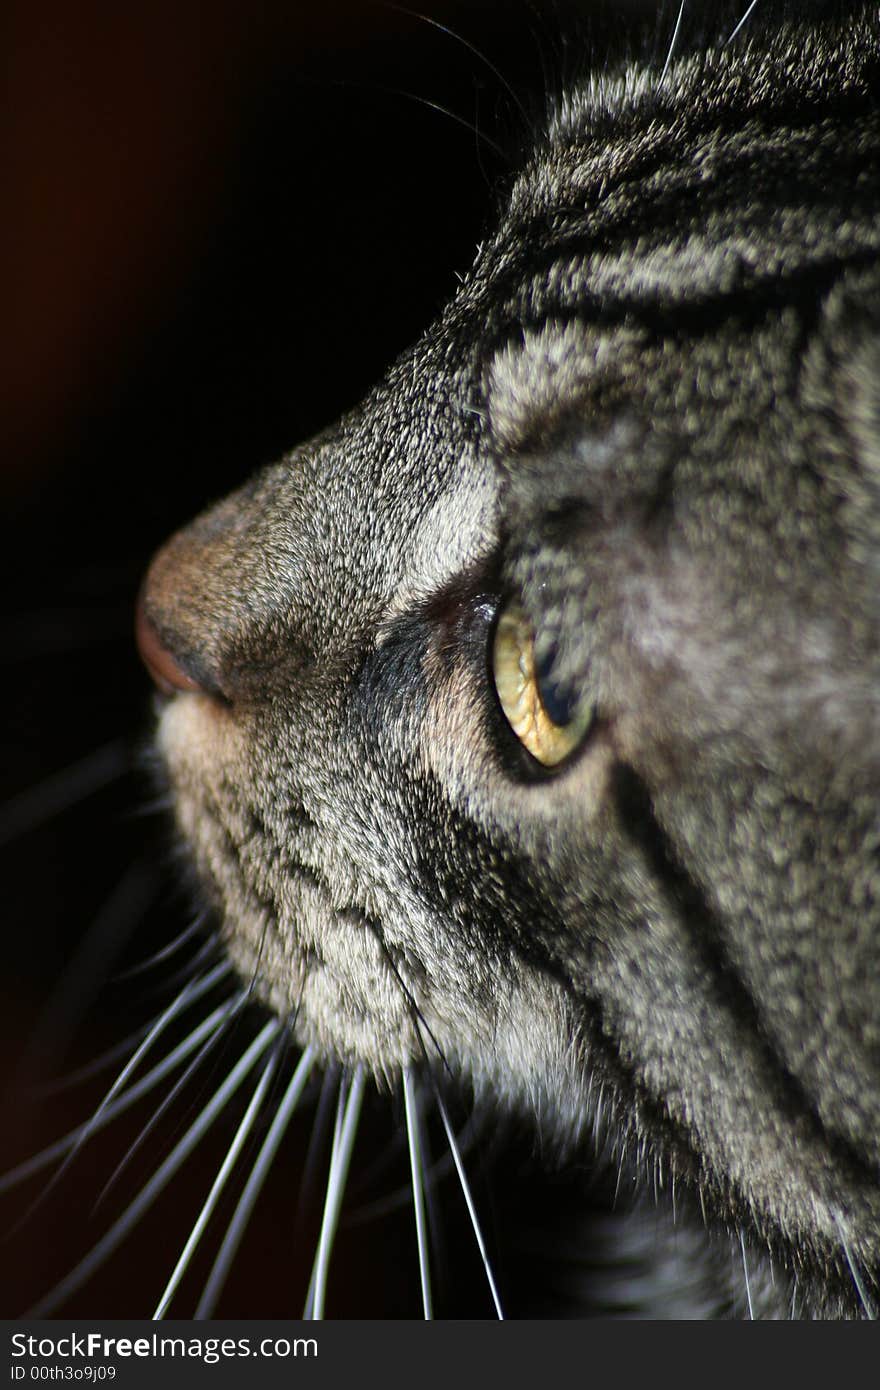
<point x="536" y="1063"/>
<point x="325" y="970"/>
<point x="309" y="958"/>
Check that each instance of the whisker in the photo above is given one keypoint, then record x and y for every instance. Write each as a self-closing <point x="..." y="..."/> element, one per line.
<point x="462" y="1178"/>
<point x="421" y="100"/>
<point x="343" y="1143"/>
<point x="864" y="1297"/>
<point x="415" y="1159"/>
<point x="92" y="1068"/>
<point x="471" y="48"/>
<point x="672" y="43"/>
<point x="742" y="1242"/>
<point x="148" y="1194"/>
<point x="104" y="941"/>
<point x="253" y="1187"/>
<point x="63" y="789"/>
<point x="317" y="1142"/>
<point x="135" y="1092"/>
<point x="165" y="952"/>
<point x="186" y="996"/>
<point x="418" y="1020"/>
<point x="472" y="1211"/>
<point x="231" y="1012"/>
<point x="434" y="1172"/>
<point x="341" y="1097"/>
<point x="732" y="35"/>
<point x="226" y="1167"/>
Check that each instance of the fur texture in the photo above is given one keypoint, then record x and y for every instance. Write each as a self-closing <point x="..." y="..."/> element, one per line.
<point x="650" y="416"/>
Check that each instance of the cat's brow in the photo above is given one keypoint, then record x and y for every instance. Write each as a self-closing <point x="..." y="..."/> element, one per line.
<point x="455" y="539"/>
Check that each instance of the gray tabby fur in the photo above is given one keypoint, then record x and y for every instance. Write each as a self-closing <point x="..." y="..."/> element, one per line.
<point x="651" y="414"/>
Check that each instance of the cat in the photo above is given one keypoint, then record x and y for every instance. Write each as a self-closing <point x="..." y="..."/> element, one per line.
<point x="520" y="726"/>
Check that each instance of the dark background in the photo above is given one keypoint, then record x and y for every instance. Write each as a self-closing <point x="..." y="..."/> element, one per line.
<point x="220" y="223"/>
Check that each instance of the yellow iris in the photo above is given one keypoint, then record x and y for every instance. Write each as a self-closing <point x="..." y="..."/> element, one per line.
<point x="516" y="681"/>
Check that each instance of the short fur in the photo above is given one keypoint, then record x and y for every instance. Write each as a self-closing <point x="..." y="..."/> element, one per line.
<point x="652" y="416"/>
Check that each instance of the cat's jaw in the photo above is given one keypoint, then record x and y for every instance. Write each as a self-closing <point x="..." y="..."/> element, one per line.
<point x="338" y="955"/>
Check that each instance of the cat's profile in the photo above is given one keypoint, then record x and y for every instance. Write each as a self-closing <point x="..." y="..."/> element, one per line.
<point x="522" y="728"/>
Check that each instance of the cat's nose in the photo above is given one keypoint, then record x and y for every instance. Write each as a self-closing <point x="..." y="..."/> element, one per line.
<point x="167" y="671"/>
<point x="217" y="613"/>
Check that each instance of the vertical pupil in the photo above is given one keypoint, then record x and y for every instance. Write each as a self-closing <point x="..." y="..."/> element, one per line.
<point x="557" y="699"/>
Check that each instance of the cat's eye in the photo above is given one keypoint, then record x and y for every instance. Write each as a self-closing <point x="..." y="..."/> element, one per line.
<point x="549" y="721"/>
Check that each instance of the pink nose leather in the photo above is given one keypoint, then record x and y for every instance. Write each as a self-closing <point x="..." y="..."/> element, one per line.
<point x="166" y="672"/>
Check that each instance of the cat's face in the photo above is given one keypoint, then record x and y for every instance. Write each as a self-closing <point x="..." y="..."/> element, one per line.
<point x="634" y="467"/>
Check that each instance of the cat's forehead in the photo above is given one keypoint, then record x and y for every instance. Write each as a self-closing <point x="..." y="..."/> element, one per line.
<point x="534" y="382"/>
<point x="384" y="513"/>
<point x="453" y="536"/>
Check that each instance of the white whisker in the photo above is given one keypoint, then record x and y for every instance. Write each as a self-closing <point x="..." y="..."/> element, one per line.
<point x="434" y="1172"/>
<point x="160" y="1179"/>
<point x="864" y="1297"/>
<point x="341" y="1097"/>
<point x="248" y="1198"/>
<point x="191" y="992"/>
<point x="165" y="952"/>
<point x="93" y="1068"/>
<point x="459" y="1166"/>
<point x="226" y="1167"/>
<point x="742" y="1242"/>
<point x="207" y="952"/>
<point x="343" y="1143"/>
<point x="732" y="35"/>
<point x="194" y="990"/>
<point x="471" y="48"/>
<point x="334" y="1150"/>
<point x="413" y="1129"/>
<point x="317" y="1143"/>
<point x="235" y="1006"/>
<point x="472" y="1211"/>
<point x="673" y="42"/>
<point x="418" y="1023"/>
<point x="61" y="1146"/>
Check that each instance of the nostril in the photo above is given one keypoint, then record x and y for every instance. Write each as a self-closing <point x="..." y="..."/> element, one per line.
<point x="167" y="673"/>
